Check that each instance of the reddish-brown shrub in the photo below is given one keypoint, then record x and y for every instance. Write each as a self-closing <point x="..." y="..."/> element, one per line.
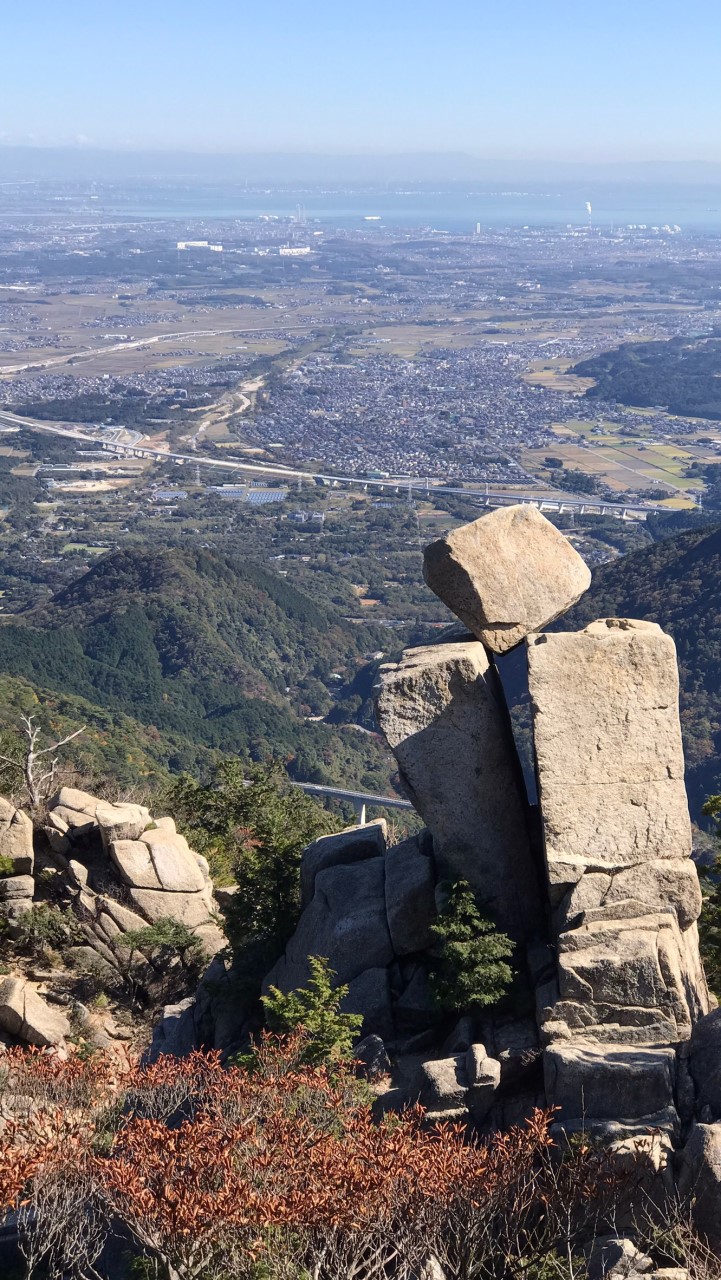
<point x="215" y="1170"/>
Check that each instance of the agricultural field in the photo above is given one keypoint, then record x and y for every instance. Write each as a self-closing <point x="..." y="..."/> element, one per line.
<point x="621" y="461"/>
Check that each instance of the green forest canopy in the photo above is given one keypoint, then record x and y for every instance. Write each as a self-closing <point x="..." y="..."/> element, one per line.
<point x="207" y="650"/>
<point x="681" y="375"/>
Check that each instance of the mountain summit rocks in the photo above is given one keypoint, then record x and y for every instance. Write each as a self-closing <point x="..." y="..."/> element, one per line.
<point x="608" y="1020"/>
<point x="505" y="575"/>
<point x="441" y="709"/>
<point x="608" y="748"/>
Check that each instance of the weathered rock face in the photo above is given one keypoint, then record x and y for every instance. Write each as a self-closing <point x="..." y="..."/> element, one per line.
<point x="24" y="1013"/>
<point x="613" y="1083"/>
<point x="150" y="863"/>
<point x="505" y="575"/>
<point x="442" y="712"/>
<point x="345" y="921"/>
<point x="16" y="838"/>
<point x="705" y="1065"/>
<point x="700" y="1179"/>
<point x="618" y="842"/>
<point x="369" y="914"/>
<point x="410" y="895"/>
<point x="608" y="747"/>
<point x="465" y="1081"/>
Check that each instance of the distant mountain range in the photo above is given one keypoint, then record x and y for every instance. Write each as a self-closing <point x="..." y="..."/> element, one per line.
<point x="28" y="163"/>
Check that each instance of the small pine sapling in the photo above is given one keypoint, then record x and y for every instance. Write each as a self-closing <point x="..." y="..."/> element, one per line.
<point x="471" y="969"/>
<point x="316" y="1011"/>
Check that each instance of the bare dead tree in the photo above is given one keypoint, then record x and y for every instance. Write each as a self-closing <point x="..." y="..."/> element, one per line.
<point x="38" y="765"/>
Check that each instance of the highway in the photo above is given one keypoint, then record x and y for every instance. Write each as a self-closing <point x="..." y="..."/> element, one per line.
<point x="360" y="800"/>
<point x="132" y="343"/>
<point x="407" y="484"/>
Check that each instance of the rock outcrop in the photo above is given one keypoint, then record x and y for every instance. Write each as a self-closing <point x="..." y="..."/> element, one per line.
<point x="368" y="910"/>
<point x="617" y="837"/>
<point x="129" y="870"/>
<point x="505" y="575"/>
<point x="602" y="908"/>
<point x="441" y="709"/>
<point x="605" y="911"/>
<point x="115" y="869"/>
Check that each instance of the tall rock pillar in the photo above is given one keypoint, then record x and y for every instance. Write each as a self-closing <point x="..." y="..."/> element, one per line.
<point x="441" y="709"/>
<point x="622" y="886"/>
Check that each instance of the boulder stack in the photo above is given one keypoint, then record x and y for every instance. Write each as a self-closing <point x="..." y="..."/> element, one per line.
<point x="507" y="574"/>
<point x="598" y="889"/>
<point x="623" y="888"/>
<point x="129" y="870"/>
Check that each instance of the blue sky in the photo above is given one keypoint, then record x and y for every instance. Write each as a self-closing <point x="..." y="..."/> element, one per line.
<point x="512" y="79"/>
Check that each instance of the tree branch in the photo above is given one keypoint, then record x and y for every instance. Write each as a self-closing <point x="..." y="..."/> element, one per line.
<point x="63" y="741"/>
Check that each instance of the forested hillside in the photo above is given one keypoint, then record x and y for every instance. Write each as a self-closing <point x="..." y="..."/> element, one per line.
<point x="221" y="654"/>
<point x="681" y="375"/>
<point x="676" y="583"/>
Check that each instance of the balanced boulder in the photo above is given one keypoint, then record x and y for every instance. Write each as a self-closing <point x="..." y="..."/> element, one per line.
<point x="505" y="575"/>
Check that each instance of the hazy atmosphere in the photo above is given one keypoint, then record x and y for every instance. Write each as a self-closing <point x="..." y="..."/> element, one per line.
<point x="558" y="81"/>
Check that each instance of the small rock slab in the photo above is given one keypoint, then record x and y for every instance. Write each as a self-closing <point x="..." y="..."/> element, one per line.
<point x="355" y="844"/>
<point x="16" y="838"/>
<point x="76" y="820"/>
<point x="607" y="1081"/>
<point x="16" y="887"/>
<point x="72" y="798"/>
<point x="191" y="909"/>
<point x="23" y="1013"/>
<point x="175" y="866"/>
<point x="133" y="860"/>
<point x="120" y="821"/>
<point x="123" y="917"/>
<point x="464" y="1080"/>
<point x="410" y="895"/>
<point x="505" y="575"/>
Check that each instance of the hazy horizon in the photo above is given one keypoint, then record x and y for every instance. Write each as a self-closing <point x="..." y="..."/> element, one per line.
<point x="36" y="162"/>
<point x="524" y="84"/>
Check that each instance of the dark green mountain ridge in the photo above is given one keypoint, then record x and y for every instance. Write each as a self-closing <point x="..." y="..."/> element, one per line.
<point x="223" y="653"/>
<point x="680" y="374"/>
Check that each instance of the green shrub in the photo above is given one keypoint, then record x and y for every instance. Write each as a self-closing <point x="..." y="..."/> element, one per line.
<point x="46" y="929"/>
<point x="7" y="865"/>
<point x="316" y="1010"/>
<point x="171" y="938"/>
<point x="470" y="970"/>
